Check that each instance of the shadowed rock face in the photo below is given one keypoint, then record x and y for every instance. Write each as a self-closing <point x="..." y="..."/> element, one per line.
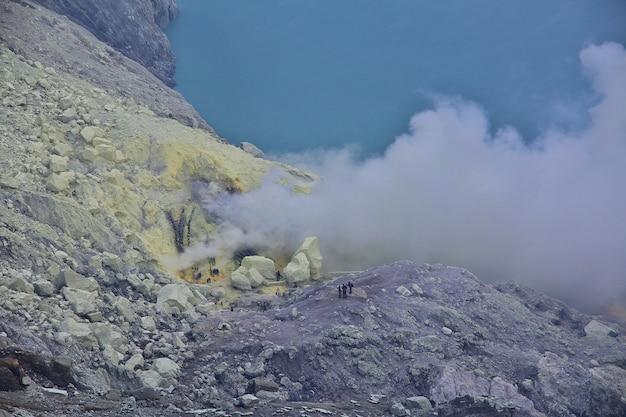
<point x="133" y="27"/>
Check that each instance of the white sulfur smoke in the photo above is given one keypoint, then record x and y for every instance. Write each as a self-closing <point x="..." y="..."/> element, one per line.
<point x="551" y="214"/>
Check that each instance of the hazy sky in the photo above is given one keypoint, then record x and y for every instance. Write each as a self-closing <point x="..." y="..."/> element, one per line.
<point x="448" y="191"/>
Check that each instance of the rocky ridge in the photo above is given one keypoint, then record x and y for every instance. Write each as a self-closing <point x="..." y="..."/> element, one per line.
<point x="92" y="320"/>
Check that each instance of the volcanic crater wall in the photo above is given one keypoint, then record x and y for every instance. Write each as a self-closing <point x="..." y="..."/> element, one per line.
<point x="133" y="27"/>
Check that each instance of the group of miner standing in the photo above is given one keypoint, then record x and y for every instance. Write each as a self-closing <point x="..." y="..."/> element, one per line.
<point x="344" y="289"/>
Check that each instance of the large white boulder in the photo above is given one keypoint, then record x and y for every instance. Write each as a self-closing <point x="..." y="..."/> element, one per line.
<point x="252" y="273"/>
<point x="254" y="277"/>
<point x="239" y="280"/>
<point x="264" y="265"/>
<point x="298" y="270"/>
<point x="310" y="248"/>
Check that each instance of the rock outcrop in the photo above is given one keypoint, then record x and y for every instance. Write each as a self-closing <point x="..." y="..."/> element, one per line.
<point x="132" y="27"/>
<point x="305" y="264"/>
<point x="311" y="250"/>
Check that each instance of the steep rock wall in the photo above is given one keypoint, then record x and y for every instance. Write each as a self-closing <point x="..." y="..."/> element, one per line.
<point x="132" y="27"/>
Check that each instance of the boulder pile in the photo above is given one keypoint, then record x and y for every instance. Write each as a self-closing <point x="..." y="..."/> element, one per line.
<point x="304" y="266"/>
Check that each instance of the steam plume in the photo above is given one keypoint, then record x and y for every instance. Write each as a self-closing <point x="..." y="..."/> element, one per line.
<point x="551" y="214"/>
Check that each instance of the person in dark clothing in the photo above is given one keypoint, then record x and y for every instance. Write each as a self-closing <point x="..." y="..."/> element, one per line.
<point x="350" y="285"/>
<point x="344" y="290"/>
<point x="339" y="289"/>
<point x="277" y="275"/>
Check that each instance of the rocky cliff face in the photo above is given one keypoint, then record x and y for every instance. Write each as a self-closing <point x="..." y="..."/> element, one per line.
<point x="39" y="35"/>
<point x="95" y="152"/>
<point x="132" y="27"/>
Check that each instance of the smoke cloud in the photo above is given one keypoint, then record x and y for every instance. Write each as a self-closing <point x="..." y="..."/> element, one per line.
<point x="550" y="212"/>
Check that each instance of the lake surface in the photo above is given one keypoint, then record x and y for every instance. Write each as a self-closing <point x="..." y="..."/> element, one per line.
<point x="295" y="75"/>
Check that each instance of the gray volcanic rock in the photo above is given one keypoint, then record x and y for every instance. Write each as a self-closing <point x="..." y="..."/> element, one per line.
<point x="506" y="348"/>
<point x="133" y="27"/>
<point x="42" y="35"/>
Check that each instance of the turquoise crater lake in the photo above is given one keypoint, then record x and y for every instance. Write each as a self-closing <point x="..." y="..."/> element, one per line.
<point x="295" y="75"/>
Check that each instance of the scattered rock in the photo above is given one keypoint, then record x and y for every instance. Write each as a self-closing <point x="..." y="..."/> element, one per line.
<point x="89" y="132"/>
<point x="404" y="291"/>
<point x="260" y="384"/>
<point x="419" y="402"/>
<point x="65" y="103"/>
<point x="42" y="82"/>
<point x="252" y="149"/>
<point x="596" y="329"/>
<point x="68" y="115"/>
<point x="148" y="323"/>
<point x="111" y="260"/>
<point x="58" y="163"/>
<point x="81" y="301"/>
<point x="248" y="401"/>
<point x="60" y="182"/>
<point x="72" y="279"/>
<point x="43" y="288"/>
<point x="174" y="298"/>
<point x="398" y="409"/>
<point x="151" y="379"/>
<point x="125" y="309"/>
<point x="20" y="284"/>
<point x="167" y="368"/>
<point x="89" y="154"/>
